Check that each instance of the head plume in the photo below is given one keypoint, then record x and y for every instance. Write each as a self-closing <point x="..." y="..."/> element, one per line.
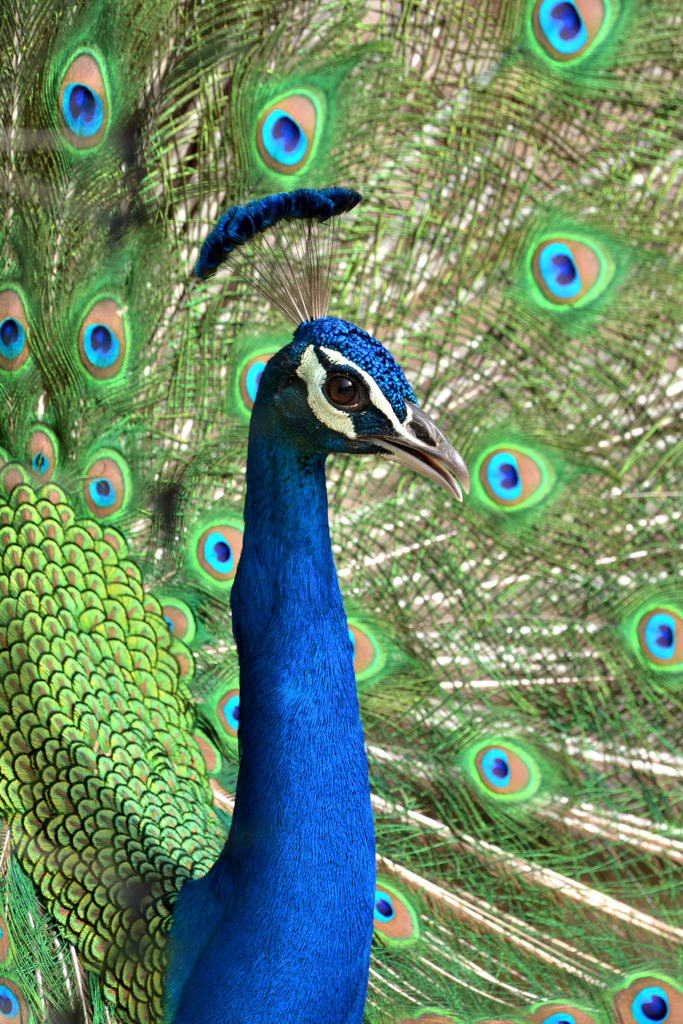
<point x="290" y="265"/>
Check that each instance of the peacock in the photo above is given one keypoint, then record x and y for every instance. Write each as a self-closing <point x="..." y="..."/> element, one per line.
<point x="287" y="730"/>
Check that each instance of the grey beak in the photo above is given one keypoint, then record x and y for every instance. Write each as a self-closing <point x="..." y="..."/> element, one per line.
<point x="423" y="448"/>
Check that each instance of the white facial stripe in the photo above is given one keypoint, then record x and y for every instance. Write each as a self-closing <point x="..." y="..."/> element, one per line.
<point x="313" y="373"/>
<point x="376" y="396"/>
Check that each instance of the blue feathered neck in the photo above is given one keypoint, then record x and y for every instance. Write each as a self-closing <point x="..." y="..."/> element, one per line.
<point x="280" y="929"/>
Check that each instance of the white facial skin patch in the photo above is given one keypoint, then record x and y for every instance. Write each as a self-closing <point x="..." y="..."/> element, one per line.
<point x="314" y="374"/>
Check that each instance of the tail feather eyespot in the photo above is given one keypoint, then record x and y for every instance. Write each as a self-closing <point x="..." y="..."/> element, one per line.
<point x="395" y="919"/>
<point x="14" y="330"/>
<point x="102" y="340"/>
<point x="13" y="1007"/>
<point x="649" y="999"/>
<point x="42" y="455"/>
<point x="83" y="103"/>
<point x="286" y="133"/>
<point x="567" y="271"/>
<point x="106" y="485"/>
<point x="568" y="30"/>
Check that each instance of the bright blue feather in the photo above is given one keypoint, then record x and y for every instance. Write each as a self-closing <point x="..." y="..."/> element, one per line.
<point x="280" y="929"/>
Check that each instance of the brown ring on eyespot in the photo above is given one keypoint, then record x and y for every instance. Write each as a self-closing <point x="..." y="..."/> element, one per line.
<point x="22" y="1015"/>
<point x="529" y="473"/>
<point x="542" y="1014"/>
<point x="519" y="773"/>
<point x="593" y="16"/>
<point x="623" y="1000"/>
<point x="365" y="652"/>
<point x="233" y="538"/>
<point x="244" y="393"/>
<point x="184" y="664"/>
<point x="677" y="656"/>
<point x="12" y="307"/>
<point x="106" y="312"/>
<point x="586" y="261"/>
<point x="85" y="70"/>
<point x="178" y="618"/>
<point x="4" y="940"/>
<point x="105" y="469"/>
<point x="208" y="752"/>
<point x="401" y="925"/>
<point x="41" y="445"/>
<point x="302" y="110"/>
<point x="227" y="696"/>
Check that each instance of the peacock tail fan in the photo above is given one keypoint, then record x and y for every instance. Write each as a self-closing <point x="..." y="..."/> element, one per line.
<point x="519" y="658"/>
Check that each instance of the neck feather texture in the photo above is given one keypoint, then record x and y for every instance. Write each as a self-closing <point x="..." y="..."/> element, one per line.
<point x="280" y="929"/>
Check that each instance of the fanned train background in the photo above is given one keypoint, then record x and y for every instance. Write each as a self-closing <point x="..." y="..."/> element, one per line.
<point x="519" y="657"/>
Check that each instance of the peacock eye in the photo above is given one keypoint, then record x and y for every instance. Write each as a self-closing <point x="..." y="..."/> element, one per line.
<point x="504" y="771"/>
<point x="83" y="103"/>
<point x="565" y="270"/>
<point x="345" y="392"/>
<point x="286" y="133"/>
<point x="510" y="477"/>
<point x="102" y="340"/>
<point x="229" y="711"/>
<point x="364" y="653"/>
<point x="660" y="633"/>
<point x="649" y="1000"/>
<point x="250" y="378"/>
<point x="106" y="487"/>
<point x="567" y="29"/>
<point x="384" y="907"/>
<point x="652" y="1004"/>
<point x="395" y="921"/>
<point x="42" y="453"/>
<point x="13" y="1008"/>
<point x="218" y="551"/>
<point x="179" y="619"/>
<point x="13" y="331"/>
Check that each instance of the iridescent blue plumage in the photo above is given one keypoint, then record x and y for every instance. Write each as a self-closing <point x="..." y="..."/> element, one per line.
<point x="239" y="224"/>
<point x="280" y="929"/>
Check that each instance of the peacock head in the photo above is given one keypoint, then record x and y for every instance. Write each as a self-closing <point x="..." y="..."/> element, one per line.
<point x="335" y="388"/>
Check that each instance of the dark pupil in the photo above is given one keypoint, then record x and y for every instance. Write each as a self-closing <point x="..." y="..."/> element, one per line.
<point x="342" y="390"/>
<point x="5" y="1005"/>
<point x="655" y="1008"/>
<point x="103" y="488"/>
<point x="566" y="269"/>
<point x="500" y="768"/>
<point x="285" y="129"/>
<point x="569" y="16"/>
<point x="509" y="474"/>
<point x="82" y="103"/>
<point x="383" y="907"/>
<point x="236" y="712"/>
<point x="222" y="551"/>
<point x="9" y="332"/>
<point x="666" y="636"/>
<point x="41" y="461"/>
<point x="101" y="338"/>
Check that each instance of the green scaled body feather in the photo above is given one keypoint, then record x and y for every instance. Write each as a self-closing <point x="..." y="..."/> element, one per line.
<point x="517" y="627"/>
